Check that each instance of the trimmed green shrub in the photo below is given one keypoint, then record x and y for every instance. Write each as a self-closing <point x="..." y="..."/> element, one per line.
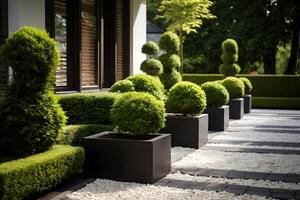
<point x="276" y="102"/>
<point x="74" y="134"/>
<point x="170" y="42"/>
<point x="88" y="108"/>
<point x="138" y="113"/>
<point x="187" y="98"/>
<point x="152" y="67"/>
<point x="30" y="117"/>
<point x="170" y="62"/>
<point x="170" y="79"/>
<point x="229" y="58"/>
<point x="122" y="86"/>
<point x="216" y="94"/>
<point x="234" y="86"/>
<point x="150" y="48"/>
<point x="248" y="85"/>
<point x="149" y="84"/>
<point x="25" y="178"/>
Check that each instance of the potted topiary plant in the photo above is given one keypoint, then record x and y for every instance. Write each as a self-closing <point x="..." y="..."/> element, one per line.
<point x="236" y="90"/>
<point x="185" y="103"/>
<point x="135" y="152"/>
<point x="248" y="96"/>
<point x="217" y="109"/>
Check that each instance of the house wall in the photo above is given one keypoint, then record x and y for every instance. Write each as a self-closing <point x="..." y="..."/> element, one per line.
<point x="138" y="34"/>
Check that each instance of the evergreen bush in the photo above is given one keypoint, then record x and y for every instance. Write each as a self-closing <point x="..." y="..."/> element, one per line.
<point x="150" y="48"/>
<point x="30" y="116"/>
<point x="216" y="94"/>
<point x="138" y="113"/>
<point x="122" y="86"/>
<point x="229" y="58"/>
<point x="170" y="62"/>
<point x="170" y="42"/>
<point x="170" y="79"/>
<point x="234" y="86"/>
<point x="186" y="98"/>
<point x="152" y="67"/>
<point x="248" y="85"/>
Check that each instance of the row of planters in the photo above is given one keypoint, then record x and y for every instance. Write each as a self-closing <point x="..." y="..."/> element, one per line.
<point x="154" y="112"/>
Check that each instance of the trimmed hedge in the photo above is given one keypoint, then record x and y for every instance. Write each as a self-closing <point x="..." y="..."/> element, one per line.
<point x="276" y="102"/>
<point x="27" y="177"/>
<point x="73" y="134"/>
<point x="91" y="108"/>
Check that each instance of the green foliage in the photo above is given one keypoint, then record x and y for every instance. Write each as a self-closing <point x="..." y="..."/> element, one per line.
<point x="88" y="108"/>
<point x="230" y="46"/>
<point x="122" y="86"/>
<point x="169" y="42"/>
<point x="25" y="178"/>
<point x="74" y="134"/>
<point x="187" y="98"/>
<point x="216" y="94"/>
<point x="170" y="79"/>
<point x="170" y="62"/>
<point x="248" y="85"/>
<point x="149" y="84"/>
<point x="138" y="113"/>
<point x="30" y="117"/>
<point x="234" y="86"/>
<point x="229" y="69"/>
<point x="150" y="48"/>
<point x="229" y="58"/>
<point x="276" y="102"/>
<point x="152" y="67"/>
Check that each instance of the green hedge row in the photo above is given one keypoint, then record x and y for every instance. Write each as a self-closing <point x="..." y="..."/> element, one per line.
<point x="73" y="134"/>
<point x="276" y="102"/>
<point x="287" y="86"/>
<point x="87" y="108"/>
<point x="27" y="177"/>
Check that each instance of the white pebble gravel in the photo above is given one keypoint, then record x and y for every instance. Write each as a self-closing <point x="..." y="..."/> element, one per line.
<point x="178" y="153"/>
<point x="251" y="146"/>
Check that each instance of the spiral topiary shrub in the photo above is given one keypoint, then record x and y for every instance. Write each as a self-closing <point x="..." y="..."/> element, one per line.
<point x="149" y="84"/>
<point x="122" y="86"/>
<point x="248" y="85"/>
<point x="187" y="98"/>
<point x="30" y="116"/>
<point x="138" y="113"/>
<point x="150" y="48"/>
<point x="152" y="67"/>
<point x="170" y="42"/>
<point x="216" y="94"/>
<point x="234" y="86"/>
<point x="229" y="58"/>
<point x="170" y="79"/>
<point x="170" y="62"/>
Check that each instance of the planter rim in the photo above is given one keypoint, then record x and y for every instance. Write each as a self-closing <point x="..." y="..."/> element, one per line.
<point x="237" y="99"/>
<point x="179" y="115"/>
<point x="224" y="106"/>
<point x="157" y="136"/>
<point x="248" y="95"/>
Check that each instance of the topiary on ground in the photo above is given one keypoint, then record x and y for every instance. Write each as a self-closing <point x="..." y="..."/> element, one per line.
<point x="150" y="48"/>
<point x="138" y="113"/>
<point x="122" y="86"/>
<point x="30" y="116"/>
<point x="187" y="98"/>
<point x="229" y="58"/>
<point x="149" y="84"/>
<point x="216" y="94"/>
<point x="248" y="85"/>
<point x="170" y="42"/>
<point x="170" y="62"/>
<point x="170" y="79"/>
<point x="234" y="86"/>
<point x="152" y="67"/>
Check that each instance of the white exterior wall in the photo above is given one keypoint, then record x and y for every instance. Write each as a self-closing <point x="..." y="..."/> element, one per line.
<point x="138" y="34"/>
<point x="25" y="12"/>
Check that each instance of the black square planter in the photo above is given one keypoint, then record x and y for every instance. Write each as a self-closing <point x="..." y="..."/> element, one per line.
<point x="247" y="103"/>
<point x="236" y="108"/>
<point x="129" y="160"/>
<point x="187" y="131"/>
<point x="218" y="118"/>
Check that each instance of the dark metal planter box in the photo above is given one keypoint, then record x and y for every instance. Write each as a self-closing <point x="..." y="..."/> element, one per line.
<point x="129" y="160"/>
<point x="247" y="103"/>
<point x="236" y="108"/>
<point x="218" y="118"/>
<point x="187" y="131"/>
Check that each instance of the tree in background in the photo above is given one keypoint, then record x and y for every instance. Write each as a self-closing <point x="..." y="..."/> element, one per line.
<point x="184" y="17"/>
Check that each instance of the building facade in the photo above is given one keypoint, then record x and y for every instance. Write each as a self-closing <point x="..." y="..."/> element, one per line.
<point x="99" y="40"/>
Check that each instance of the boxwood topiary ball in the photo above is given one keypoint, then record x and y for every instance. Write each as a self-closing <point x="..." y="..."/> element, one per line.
<point x="170" y="79"/>
<point x="187" y="98"/>
<point x="170" y="42"/>
<point x="216" y="94"/>
<point x="234" y="86"/>
<point x="229" y="69"/>
<point x="122" y="86"/>
<point x="152" y="67"/>
<point x="230" y="46"/>
<point x="248" y="85"/>
<point x="149" y="84"/>
<point x="170" y="62"/>
<point x="138" y="113"/>
<point x="150" y="48"/>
